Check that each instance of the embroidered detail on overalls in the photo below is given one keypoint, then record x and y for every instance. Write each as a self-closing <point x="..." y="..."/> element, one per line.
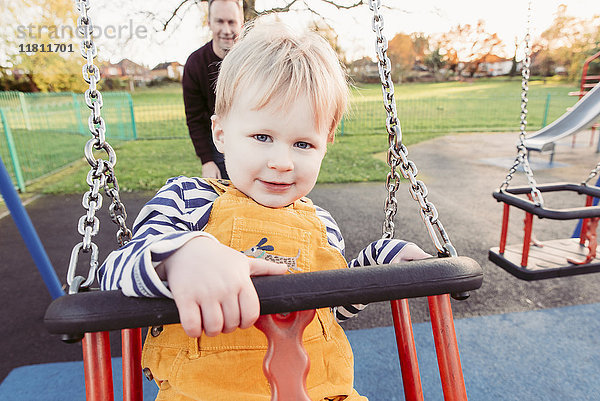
<point x="260" y="251"/>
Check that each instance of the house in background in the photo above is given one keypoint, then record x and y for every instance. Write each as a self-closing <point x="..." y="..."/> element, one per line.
<point x="364" y="70"/>
<point x="170" y="70"/>
<point x="136" y="74"/>
<point x="494" y="66"/>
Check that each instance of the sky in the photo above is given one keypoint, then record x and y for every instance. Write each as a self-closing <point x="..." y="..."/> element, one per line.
<point x="508" y="18"/>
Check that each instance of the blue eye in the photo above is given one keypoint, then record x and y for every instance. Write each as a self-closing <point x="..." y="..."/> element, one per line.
<point x="303" y="145"/>
<point x="261" y="137"/>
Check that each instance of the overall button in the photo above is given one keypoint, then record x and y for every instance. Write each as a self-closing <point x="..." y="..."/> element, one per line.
<point x="148" y="373"/>
<point x="156" y="330"/>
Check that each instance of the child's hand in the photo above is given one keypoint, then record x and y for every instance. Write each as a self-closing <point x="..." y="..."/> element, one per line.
<point x="211" y="286"/>
<point x="410" y="252"/>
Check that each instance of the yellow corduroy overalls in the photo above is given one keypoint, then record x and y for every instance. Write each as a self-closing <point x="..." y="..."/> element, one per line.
<point x="228" y="367"/>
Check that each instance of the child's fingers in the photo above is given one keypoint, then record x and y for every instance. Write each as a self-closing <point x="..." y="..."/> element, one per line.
<point x="410" y="252"/>
<point x="261" y="267"/>
<point x="249" y="306"/>
<point x="212" y="318"/>
<point x="190" y="317"/>
<point x="231" y="314"/>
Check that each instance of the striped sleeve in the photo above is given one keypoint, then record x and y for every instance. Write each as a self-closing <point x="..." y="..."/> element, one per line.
<point x="176" y="214"/>
<point x="377" y="253"/>
<point x="334" y="235"/>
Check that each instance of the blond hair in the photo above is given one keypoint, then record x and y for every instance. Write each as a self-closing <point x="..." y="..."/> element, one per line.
<point x="277" y="63"/>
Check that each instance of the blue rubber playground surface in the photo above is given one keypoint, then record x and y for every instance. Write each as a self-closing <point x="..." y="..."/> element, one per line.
<point x="552" y="354"/>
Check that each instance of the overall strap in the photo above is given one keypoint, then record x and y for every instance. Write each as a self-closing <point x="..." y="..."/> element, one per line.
<point x="218" y="184"/>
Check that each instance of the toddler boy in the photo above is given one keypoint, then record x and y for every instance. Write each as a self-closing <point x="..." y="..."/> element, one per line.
<point x="280" y="97"/>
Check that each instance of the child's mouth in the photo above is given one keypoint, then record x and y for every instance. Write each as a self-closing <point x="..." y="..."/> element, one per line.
<point x="276" y="186"/>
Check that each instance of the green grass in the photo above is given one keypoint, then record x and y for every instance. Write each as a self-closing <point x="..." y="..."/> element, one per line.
<point x="57" y="150"/>
<point x="146" y="165"/>
<point x="425" y="111"/>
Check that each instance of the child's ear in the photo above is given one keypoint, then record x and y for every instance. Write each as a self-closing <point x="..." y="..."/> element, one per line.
<point x="217" y="133"/>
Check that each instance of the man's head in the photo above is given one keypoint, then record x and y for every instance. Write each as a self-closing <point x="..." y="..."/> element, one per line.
<point x="279" y="98"/>
<point x="225" y="20"/>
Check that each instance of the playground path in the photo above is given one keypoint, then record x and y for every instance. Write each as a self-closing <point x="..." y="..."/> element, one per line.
<point x="460" y="172"/>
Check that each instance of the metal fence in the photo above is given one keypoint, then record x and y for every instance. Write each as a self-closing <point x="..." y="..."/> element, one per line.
<point x="40" y="133"/>
<point x="43" y="132"/>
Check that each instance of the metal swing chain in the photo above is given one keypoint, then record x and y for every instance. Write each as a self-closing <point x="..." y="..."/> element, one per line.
<point x="397" y="157"/>
<point x="522" y="158"/>
<point x="592" y="174"/>
<point x="101" y="174"/>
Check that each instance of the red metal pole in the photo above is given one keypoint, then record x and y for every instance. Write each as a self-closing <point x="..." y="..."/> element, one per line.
<point x="446" y="346"/>
<point x="504" y="233"/>
<point x="527" y="238"/>
<point x="409" y="365"/>
<point x="131" y="347"/>
<point x="97" y="366"/>
<point x="589" y="201"/>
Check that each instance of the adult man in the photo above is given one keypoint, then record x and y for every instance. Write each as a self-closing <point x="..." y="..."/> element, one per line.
<point x="225" y="19"/>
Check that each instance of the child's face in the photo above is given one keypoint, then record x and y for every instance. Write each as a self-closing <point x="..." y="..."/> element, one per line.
<point x="271" y="155"/>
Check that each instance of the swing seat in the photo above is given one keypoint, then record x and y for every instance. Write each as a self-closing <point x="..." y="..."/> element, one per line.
<point x="545" y="259"/>
<point x="97" y="312"/>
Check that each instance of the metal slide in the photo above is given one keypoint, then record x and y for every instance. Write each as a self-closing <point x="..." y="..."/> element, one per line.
<point x="581" y="116"/>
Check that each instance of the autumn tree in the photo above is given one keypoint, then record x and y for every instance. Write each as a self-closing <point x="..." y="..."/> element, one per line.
<point x="469" y="44"/>
<point x="402" y="54"/>
<point x="52" y="61"/>
<point x="566" y="43"/>
<point x="434" y="61"/>
<point x="405" y="51"/>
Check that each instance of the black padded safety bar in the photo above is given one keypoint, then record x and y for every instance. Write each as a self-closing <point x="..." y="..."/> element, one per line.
<point x="94" y="311"/>
<point x="509" y="196"/>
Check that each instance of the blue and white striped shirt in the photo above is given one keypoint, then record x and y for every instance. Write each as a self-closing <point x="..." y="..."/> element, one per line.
<point x="179" y="212"/>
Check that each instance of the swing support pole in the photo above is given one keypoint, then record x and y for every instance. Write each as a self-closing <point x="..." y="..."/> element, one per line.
<point x="527" y="238"/>
<point x="446" y="346"/>
<point x="97" y="366"/>
<point x="28" y="233"/>
<point x="409" y="364"/>
<point x="131" y="348"/>
<point x="504" y="233"/>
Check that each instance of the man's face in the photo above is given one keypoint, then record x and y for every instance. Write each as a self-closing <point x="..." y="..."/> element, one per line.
<point x="225" y="22"/>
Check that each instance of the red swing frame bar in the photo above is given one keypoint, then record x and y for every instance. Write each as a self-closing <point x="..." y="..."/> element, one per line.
<point x="97" y="312"/>
<point x="98" y="366"/>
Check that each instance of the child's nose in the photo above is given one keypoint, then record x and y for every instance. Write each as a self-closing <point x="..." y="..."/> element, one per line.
<point x="281" y="161"/>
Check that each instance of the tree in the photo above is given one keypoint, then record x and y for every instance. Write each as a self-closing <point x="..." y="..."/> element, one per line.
<point x="435" y="61"/>
<point x="468" y="44"/>
<point x="52" y="61"/>
<point x="567" y="43"/>
<point x="251" y="11"/>
<point x="402" y="54"/>
<point x="484" y="46"/>
<point x="407" y="51"/>
<point x="453" y="46"/>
